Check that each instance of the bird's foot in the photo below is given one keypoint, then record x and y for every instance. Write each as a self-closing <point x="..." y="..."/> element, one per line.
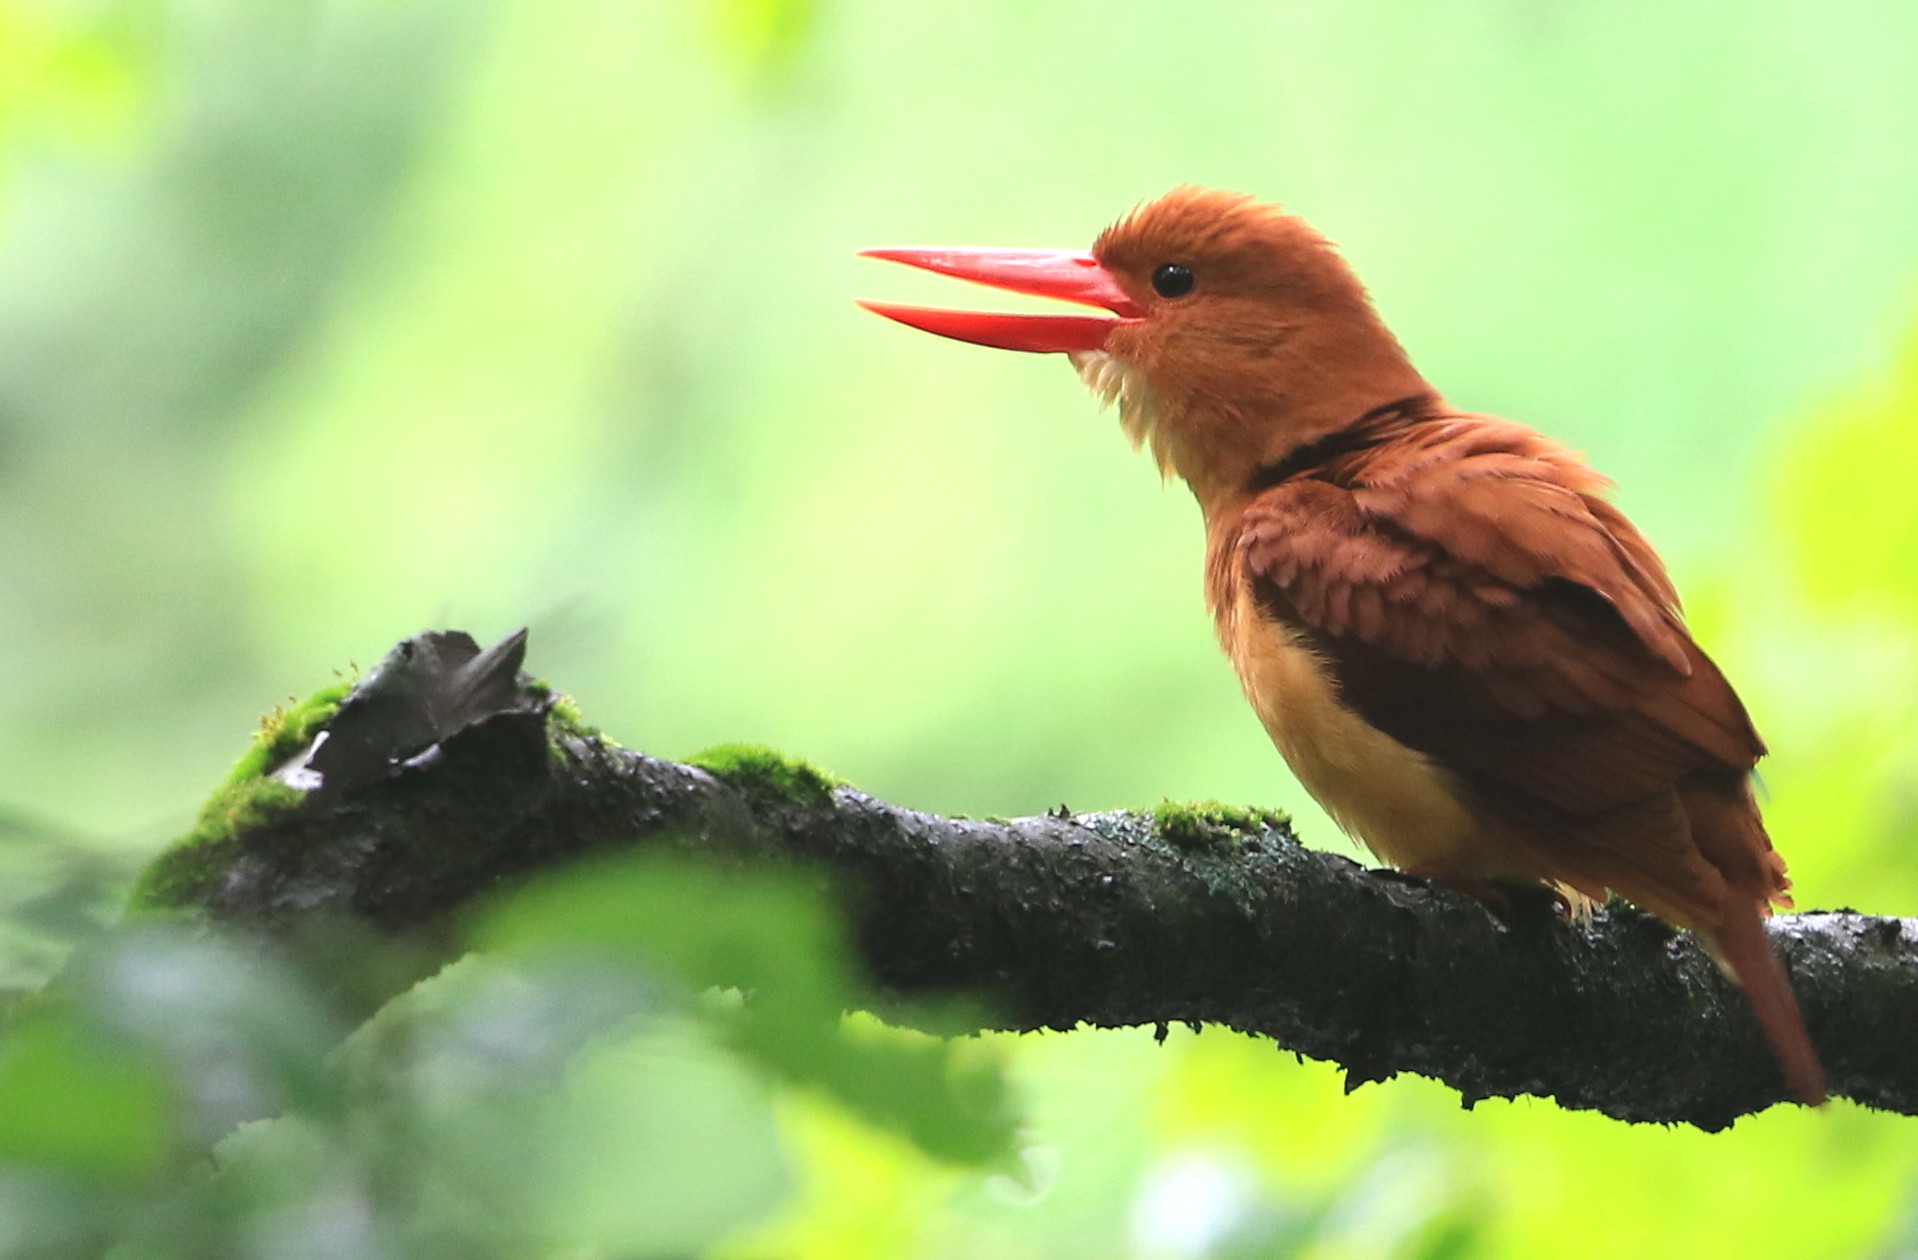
<point x="1516" y="904"/>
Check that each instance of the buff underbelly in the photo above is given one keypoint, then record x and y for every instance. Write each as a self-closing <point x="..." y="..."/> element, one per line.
<point x="1388" y="797"/>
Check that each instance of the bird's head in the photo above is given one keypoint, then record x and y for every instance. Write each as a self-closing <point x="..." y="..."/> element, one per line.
<point x="1235" y="332"/>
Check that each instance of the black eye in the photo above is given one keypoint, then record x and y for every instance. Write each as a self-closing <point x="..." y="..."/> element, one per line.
<point x="1171" y="280"/>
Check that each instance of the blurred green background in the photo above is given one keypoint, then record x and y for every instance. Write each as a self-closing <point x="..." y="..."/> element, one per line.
<point x="323" y="322"/>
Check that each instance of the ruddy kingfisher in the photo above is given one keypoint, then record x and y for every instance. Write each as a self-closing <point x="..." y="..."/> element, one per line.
<point x="1465" y="653"/>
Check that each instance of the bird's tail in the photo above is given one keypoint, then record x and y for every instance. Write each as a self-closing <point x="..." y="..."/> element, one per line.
<point x="1741" y="942"/>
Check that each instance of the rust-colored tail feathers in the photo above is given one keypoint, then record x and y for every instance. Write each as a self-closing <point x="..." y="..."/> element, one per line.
<point x="1729" y="833"/>
<point x="1741" y="941"/>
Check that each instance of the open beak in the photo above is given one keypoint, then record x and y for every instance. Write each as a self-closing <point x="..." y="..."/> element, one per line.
<point x="1055" y="273"/>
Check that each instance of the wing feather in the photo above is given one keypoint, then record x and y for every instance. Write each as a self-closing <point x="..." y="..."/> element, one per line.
<point x="1482" y="604"/>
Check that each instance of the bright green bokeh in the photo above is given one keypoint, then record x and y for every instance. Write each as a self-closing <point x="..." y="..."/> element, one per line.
<point x="322" y="321"/>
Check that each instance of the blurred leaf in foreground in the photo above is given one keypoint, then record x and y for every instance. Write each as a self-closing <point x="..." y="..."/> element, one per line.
<point x="58" y="888"/>
<point x="776" y="939"/>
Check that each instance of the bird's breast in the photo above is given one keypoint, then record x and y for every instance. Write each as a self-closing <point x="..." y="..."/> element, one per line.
<point x="1390" y="798"/>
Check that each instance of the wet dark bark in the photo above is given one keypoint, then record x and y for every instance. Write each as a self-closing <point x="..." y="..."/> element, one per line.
<point x="1099" y="919"/>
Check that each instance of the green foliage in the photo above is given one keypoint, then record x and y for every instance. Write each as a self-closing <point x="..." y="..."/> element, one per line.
<point x="761" y="770"/>
<point x="475" y="1115"/>
<point x="154" y="1044"/>
<point x="57" y="889"/>
<point x="778" y="940"/>
<point x="80" y="1105"/>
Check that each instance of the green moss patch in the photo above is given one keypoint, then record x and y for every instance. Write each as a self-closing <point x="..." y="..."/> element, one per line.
<point x="565" y="722"/>
<point x="1209" y="824"/>
<point x="286" y="731"/>
<point x="246" y="800"/>
<point x="764" y="772"/>
<point x="179" y="877"/>
<point x="565" y="713"/>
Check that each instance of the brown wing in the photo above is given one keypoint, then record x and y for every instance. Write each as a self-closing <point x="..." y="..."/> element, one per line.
<point x="1479" y="603"/>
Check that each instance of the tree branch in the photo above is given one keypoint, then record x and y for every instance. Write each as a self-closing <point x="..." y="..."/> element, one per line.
<point x="450" y="774"/>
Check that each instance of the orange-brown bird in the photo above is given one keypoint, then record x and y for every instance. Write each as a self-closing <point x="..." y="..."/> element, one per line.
<point x="1467" y="655"/>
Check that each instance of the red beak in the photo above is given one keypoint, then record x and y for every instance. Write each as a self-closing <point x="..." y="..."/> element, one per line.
<point x="1074" y="277"/>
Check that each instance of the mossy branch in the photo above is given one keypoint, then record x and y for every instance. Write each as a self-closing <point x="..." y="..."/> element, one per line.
<point x="453" y="774"/>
